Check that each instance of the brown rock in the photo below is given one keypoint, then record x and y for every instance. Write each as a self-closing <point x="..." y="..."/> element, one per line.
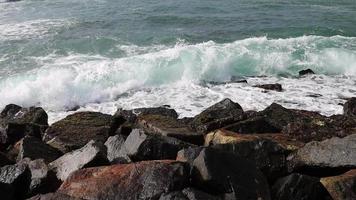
<point x="341" y="187"/>
<point x="142" y="180"/>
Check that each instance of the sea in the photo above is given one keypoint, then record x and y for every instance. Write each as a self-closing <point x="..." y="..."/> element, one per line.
<point x="101" y="55"/>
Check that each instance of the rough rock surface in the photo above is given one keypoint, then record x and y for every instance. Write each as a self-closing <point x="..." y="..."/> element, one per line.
<point x="253" y="125"/>
<point x="275" y="86"/>
<point x="331" y="153"/>
<point x="342" y="186"/>
<point x="76" y="130"/>
<point x="224" y="172"/>
<point x="218" y="115"/>
<point x="141" y="146"/>
<point x="163" y="111"/>
<point x="350" y="107"/>
<point x="171" y="127"/>
<point x="92" y="154"/>
<point x="53" y="196"/>
<point x="189" y="154"/>
<point x="142" y="180"/>
<point x="17" y="177"/>
<point x="34" y="148"/>
<point x="113" y="146"/>
<point x="298" y="186"/>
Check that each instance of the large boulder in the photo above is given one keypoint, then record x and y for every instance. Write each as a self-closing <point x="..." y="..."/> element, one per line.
<point x="221" y="172"/>
<point x="76" y="130"/>
<point x="17" y="122"/>
<point x="298" y="186"/>
<point x="141" y="146"/>
<point x="142" y="180"/>
<point x="15" y="178"/>
<point x="267" y="151"/>
<point x="92" y="154"/>
<point x="253" y="125"/>
<point x="163" y="111"/>
<point x="342" y="186"/>
<point x="337" y="153"/>
<point x="350" y="107"/>
<point x="171" y="127"/>
<point x="113" y="146"/>
<point x="34" y="148"/>
<point x="218" y="115"/>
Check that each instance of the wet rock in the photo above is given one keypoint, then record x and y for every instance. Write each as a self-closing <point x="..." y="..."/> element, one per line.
<point x="42" y="179"/>
<point x="141" y="146"/>
<point x="218" y="115"/>
<point x="222" y="172"/>
<point x="53" y="196"/>
<point x="17" y="122"/>
<point x="253" y="125"/>
<point x="76" y="130"/>
<point x="276" y="87"/>
<point x="17" y="177"/>
<point x="171" y="127"/>
<point x="34" y="148"/>
<point x="337" y="153"/>
<point x="350" y="107"/>
<point x="163" y="111"/>
<point x="92" y="154"/>
<point x="306" y="72"/>
<point x="298" y="186"/>
<point x="342" y="186"/>
<point x="267" y="151"/>
<point x="113" y="146"/>
<point x="142" y="180"/>
<point x="4" y="160"/>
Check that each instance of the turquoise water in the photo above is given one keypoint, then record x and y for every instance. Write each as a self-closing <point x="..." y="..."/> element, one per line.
<point x="101" y="54"/>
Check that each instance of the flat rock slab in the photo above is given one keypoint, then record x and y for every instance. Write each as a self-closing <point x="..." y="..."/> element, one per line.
<point x="331" y="153"/>
<point x="78" y="129"/>
<point x="342" y="186"/>
<point x="92" y="154"/>
<point x="171" y="127"/>
<point x="142" y="180"/>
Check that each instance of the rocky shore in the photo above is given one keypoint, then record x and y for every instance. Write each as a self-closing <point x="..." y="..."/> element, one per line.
<point x="223" y="153"/>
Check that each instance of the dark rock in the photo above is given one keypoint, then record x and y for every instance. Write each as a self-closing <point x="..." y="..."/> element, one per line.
<point x="189" y="194"/>
<point x="253" y="125"/>
<point x="342" y="186"/>
<point x="350" y="107"/>
<point x="6" y="191"/>
<point x="4" y="160"/>
<point x="113" y="146"/>
<point x="276" y="87"/>
<point x="76" y="130"/>
<point x="268" y="151"/>
<point x="142" y="180"/>
<point x="298" y="186"/>
<point x="42" y="179"/>
<point x="16" y="176"/>
<point x="140" y="146"/>
<point x="92" y="154"/>
<point x="175" y="195"/>
<point x="163" y="111"/>
<point x="218" y="115"/>
<point x="306" y="72"/>
<point x="171" y="127"/>
<point x="53" y="196"/>
<point x="189" y="154"/>
<point x="236" y="79"/>
<point x="16" y="114"/>
<point x="34" y="148"/>
<point x="338" y="153"/>
<point x="222" y="172"/>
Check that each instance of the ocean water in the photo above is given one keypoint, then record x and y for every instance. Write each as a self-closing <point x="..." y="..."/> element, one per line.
<point x="104" y="54"/>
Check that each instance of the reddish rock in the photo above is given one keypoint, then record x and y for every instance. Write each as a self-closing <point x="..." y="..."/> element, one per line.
<point x="341" y="187"/>
<point x="142" y="180"/>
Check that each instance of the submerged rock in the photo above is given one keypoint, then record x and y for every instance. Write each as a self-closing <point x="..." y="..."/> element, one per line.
<point x="275" y="86"/>
<point x="298" y="186"/>
<point x="306" y="72"/>
<point x="218" y="115"/>
<point x="221" y="172"/>
<point x="337" y="153"/>
<point x="171" y="127"/>
<point x="92" y="154"/>
<point x="342" y="186"/>
<point x="76" y="130"/>
<point x="142" y="180"/>
<point x="141" y="146"/>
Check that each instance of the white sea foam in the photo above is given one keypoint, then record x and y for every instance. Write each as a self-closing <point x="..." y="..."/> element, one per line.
<point x="173" y="76"/>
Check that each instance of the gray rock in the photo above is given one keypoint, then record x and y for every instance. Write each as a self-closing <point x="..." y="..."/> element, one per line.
<point x="16" y="176"/>
<point x="113" y="146"/>
<point x="92" y="154"/>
